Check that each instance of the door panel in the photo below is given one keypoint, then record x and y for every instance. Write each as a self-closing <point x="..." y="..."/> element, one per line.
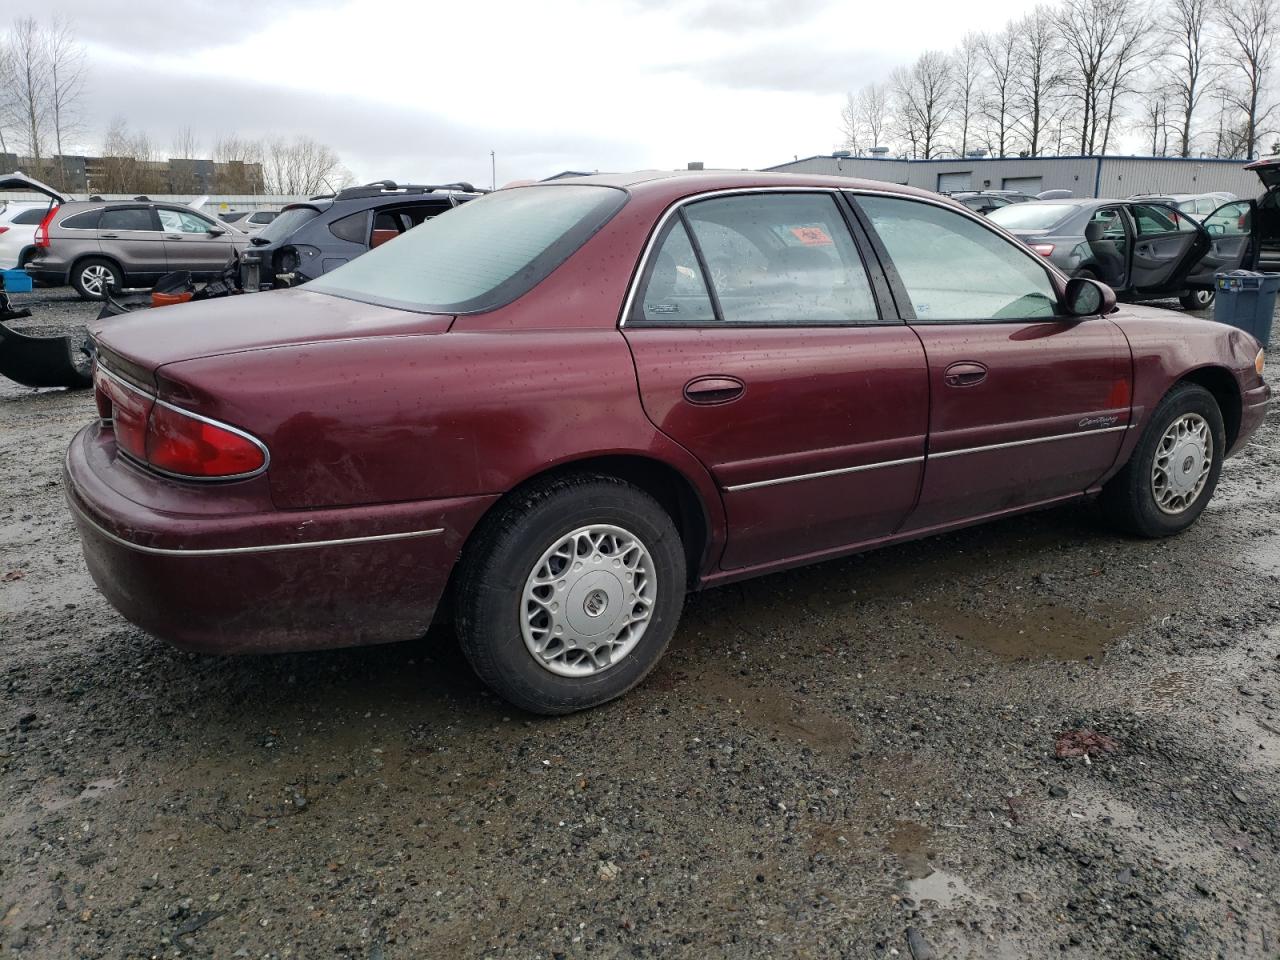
<point x="1232" y="240"/>
<point x="190" y="246"/>
<point x="1165" y="244"/>
<point x="1045" y="421"/>
<point x="849" y="404"/>
<point x="131" y="235"/>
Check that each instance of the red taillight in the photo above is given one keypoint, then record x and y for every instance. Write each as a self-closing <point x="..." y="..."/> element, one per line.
<point x="180" y="443"/>
<point x="1044" y="249"/>
<point x="42" y="231"/>
<point x="171" y="439"/>
<point x="4" y="229"/>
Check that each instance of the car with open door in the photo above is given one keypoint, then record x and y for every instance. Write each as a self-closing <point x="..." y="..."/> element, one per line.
<point x="1268" y="171"/>
<point x="547" y="415"/>
<point x="1143" y="250"/>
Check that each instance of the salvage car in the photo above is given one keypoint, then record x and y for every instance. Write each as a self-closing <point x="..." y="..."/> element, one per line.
<point x="1144" y="250"/>
<point x="1268" y="171"/>
<point x="309" y="239"/>
<point x="99" y="246"/>
<point x="552" y="412"/>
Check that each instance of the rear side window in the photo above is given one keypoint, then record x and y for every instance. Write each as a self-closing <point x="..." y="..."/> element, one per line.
<point x="483" y="255"/>
<point x="287" y="223"/>
<point x="956" y="269"/>
<point x="782" y="259"/>
<point x="675" y="290"/>
<point x="132" y="219"/>
<point x="1153" y="219"/>
<point x="351" y="227"/>
<point x="82" y="221"/>
<point x="26" y="217"/>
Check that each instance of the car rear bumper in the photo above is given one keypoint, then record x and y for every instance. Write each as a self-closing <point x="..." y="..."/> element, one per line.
<point x="258" y="580"/>
<point x="46" y="275"/>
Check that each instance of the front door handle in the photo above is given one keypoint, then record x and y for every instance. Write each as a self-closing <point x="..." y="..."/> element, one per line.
<point x="706" y="391"/>
<point x="964" y="374"/>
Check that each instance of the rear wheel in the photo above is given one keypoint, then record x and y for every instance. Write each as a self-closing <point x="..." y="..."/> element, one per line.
<point x="1174" y="469"/>
<point x="95" y="277"/>
<point x="1196" y="299"/>
<point x="568" y="594"/>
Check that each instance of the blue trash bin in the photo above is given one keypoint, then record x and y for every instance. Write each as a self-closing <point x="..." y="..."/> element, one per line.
<point x="15" y="281"/>
<point x="1247" y="300"/>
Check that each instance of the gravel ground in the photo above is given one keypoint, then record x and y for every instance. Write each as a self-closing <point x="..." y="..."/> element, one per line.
<point x="858" y="759"/>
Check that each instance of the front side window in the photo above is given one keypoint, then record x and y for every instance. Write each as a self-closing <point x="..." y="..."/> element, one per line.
<point x="179" y="221"/>
<point x="483" y="255"/>
<point x="954" y="268"/>
<point x="135" y="218"/>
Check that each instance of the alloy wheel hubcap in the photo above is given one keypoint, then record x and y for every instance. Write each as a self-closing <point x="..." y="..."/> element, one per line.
<point x="1182" y="463"/>
<point x="95" y="279"/>
<point x="588" y="600"/>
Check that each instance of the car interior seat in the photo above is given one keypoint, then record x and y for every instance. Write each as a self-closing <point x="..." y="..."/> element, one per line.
<point x="1106" y="252"/>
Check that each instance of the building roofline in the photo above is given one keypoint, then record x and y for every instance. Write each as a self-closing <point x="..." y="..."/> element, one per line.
<point x="953" y="160"/>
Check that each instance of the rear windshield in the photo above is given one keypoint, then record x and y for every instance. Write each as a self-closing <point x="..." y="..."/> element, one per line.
<point x="288" y="221"/>
<point x="479" y="256"/>
<point x="1032" y="215"/>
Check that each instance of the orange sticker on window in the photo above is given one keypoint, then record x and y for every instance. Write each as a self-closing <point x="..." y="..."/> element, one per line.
<point x="811" y="236"/>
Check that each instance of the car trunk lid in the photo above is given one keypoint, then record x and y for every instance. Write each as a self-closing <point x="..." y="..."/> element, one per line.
<point x="1268" y="171"/>
<point x="142" y="341"/>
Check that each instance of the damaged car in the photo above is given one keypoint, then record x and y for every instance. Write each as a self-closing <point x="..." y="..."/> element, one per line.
<point x="549" y="415"/>
<point x="306" y="240"/>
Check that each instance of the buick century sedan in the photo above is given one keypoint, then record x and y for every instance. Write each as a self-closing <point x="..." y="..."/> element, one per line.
<point x="553" y="411"/>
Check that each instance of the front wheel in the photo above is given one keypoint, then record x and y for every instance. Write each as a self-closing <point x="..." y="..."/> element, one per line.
<point x="1172" y="473"/>
<point x="1196" y="299"/>
<point x="568" y="594"/>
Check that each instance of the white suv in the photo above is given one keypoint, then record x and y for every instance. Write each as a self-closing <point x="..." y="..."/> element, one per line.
<point x="18" y="222"/>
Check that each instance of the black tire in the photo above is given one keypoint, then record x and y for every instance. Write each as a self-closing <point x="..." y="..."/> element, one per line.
<point x="503" y="554"/>
<point x="1197" y="299"/>
<point x="88" y="273"/>
<point x="1129" y="498"/>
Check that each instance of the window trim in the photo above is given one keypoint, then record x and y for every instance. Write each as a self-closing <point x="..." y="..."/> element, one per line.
<point x="658" y="235"/>
<point x="1057" y="279"/>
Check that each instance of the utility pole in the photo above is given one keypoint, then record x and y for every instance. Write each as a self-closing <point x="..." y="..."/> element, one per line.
<point x="493" y="171"/>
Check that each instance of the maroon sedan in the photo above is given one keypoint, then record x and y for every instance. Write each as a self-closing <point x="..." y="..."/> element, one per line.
<point x="559" y="407"/>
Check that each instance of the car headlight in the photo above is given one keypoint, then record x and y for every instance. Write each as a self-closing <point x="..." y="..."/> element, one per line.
<point x="1260" y="361"/>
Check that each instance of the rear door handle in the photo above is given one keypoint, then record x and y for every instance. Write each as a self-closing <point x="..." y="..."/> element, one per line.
<point x="965" y="374"/>
<point x="109" y="236"/>
<point x="706" y="391"/>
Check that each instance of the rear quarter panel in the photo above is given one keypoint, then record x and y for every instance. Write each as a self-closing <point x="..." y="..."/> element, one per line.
<point x="425" y="417"/>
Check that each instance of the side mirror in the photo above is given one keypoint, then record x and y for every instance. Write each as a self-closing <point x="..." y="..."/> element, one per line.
<point x="1089" y="298"/>
<point x="216" y="231"/>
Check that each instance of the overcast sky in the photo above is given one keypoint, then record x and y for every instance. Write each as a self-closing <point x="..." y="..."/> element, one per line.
<point x="423" y="91"/>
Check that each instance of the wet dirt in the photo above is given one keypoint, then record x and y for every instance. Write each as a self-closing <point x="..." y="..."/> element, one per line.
<point x="824" y="760"/>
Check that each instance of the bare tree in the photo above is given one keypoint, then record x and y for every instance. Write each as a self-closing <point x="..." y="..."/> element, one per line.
<point x="1186" y="28"/>
<point x="65" y="63"/>
<point x="864" y="116"/>
<point x="1156" y="119"/>
<point x="239" y="167"/>
<point x="24" y="82"/>
<point x="130" y="163"/>
<point x="300" y="166"/>
<point x="1000" y="55"/>
<point x="1128" y="56"/>
<point x="1248" y="48"/>
<point x="1089" y="31"/>
<point x="1039" y="79"/>
<point x="923" y="93"/>
<point x="186" y="145"/>
<point x="967" y="79"/>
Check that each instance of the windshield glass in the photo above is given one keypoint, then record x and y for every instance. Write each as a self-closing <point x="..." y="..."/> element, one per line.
<point x="1032" y="216"/>
<point x="480" y="255"/>
<point x="286" y="223"/>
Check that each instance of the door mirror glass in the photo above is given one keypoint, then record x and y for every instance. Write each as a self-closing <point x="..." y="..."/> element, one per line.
<point x="1088" y="298"/>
